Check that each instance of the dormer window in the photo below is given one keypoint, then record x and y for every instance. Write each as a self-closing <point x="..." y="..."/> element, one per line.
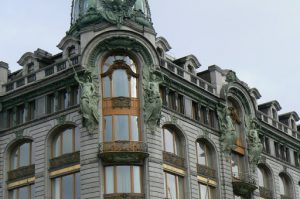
<point x="30" y="68"/>
<point x="293" y="124"/>
<point x="274" y="114"/>
<point x="71" y="51"/>
<point x="190" y="69"/>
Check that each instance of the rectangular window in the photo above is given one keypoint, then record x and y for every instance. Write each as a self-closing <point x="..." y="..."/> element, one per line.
<point x="50" y="103"/>
<point x="287" y="155"/>
<point x="203" y="111"/>
<point x="195" y="111"/>
<point x="10" y="118"/>
<point x="188" y="107"/>
<point x="277" y="152"/>
<point x="267" y="145"/>
<point x="282" y="152"/>
<point x="108" y="128"/>
<point x="62" y="99"/>
<point x="66" y="187"/>
<point x="74" y="95"/>
<point x="109" y="180"/>
<point x="20" y="114"/>
<point x="40" y="107"/>
<point x="212" y="118"/>
<point x="206" y="191"/>
<point x="172" y="100"/>
<point x="134" y="128"/>
<point x="163" y="94"/>
<point x="3" y="120"/>
<point x="173" y="186"/>
<point x="180" y="104"/>
<point x="296" y="159"/>
<point x="31" y="110"/>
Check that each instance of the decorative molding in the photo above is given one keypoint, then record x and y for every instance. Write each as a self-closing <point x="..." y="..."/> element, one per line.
<point x="173" y="160"/>
<point x="121" y="102"/>
<point x="124" y="196"/>
<point x="244" y="185"/>
<point x="19" y="134"/>
<point x="173" y="169"/>
<point x="203" y="170"/>
<point x="64" y="171"/>
<point x="21" y="173"/>
<point x="64" y="161"/>
<point x="61" y="120"/>
<point x="21" y="183"/>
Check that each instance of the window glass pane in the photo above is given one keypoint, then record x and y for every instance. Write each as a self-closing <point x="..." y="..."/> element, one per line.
<point x="109" y="179"/>
<point x="25" y="155"/>
<point x="188" y="107"/>
<point x="260" y="177"/>
<point x="77" y="139"/>
<point x="134" y="88"/>
<point x="13" y="194"/>
<point x="201" y="154"/>
<point x="67" y="187"/>
<point x="203" y="191"/>
<point x="169" y="142"/>
<point x="121" y="127"/>
<point x="40" y="106"/>
<point x="24" y="193"/>
<point x="67" y="141"/>
<point x="137" y="179"/>
<point x="77" y="185"/>
<point x="171" y="188"/>
<point x="120" y="83"/>
<point x="281" y="186"/>
<point x="56" y="188"/>
<point x="14" y="158"/>
<point x="32" y="191"/>
<point x="56" y="146"/>
<point x="105" y="68"/>
<point x="123" y="179"/>
<point x="108" y="128"/>
<point x="134" y="128"/>
<point x="235" y="165"/>
<point x="106" y="87"/>
<point x="180" y="188"/>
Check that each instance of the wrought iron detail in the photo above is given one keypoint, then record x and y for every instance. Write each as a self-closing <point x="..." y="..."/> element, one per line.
<point x="265" y="193"/>
<point x="65" y="160"/>
<point x="124" y="196"/>
<point x="121" y="102"/>
<point x="243" y="184"/>
<point x="21" y="173"/>
<point x="119" y="152"/>
<point x="173" y="160"/>
<point x="206" y="171"/>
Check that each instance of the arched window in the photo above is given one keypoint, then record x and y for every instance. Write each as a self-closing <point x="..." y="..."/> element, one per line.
<point x="206" y="169"/>
<point x="21" y="171"/>
<point x="119" y="74"/>
<point x="65" y="164"/>
<point x="285" y="185"/>
<point x="264" y="181"/>
<point x="171" y="142"/>
<point x="173" y="156"/>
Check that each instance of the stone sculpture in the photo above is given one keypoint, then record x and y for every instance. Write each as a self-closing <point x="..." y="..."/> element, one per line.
<point x="89" y="100"/>
<point x="254" y="146"/>
<point x="153" y="102"/>
<point x="229" y="133"/>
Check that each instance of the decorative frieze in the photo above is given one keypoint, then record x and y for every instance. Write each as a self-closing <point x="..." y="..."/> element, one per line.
<point x="203" y="170"/>
<point x="173" y="160"/>
<point x="121" y="102"/>
<point x="124" y="196"/>
<point x="65" y="161"/>
<point x="21" y="173"/>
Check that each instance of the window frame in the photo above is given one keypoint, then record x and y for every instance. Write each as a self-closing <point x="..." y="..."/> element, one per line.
<point x="17" y="149"/>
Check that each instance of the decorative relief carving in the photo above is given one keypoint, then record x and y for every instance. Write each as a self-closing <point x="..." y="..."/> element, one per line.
<point x="121" y="102"/>
<point x="173" y="160"/>
<point x="21" y="173"/>
<point x="244" y="185"/>
<point x="124" y="196"/>
<point x="65" y="161"/>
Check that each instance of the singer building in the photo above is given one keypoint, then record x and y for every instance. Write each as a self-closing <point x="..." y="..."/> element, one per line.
<point x="114" y="116"/>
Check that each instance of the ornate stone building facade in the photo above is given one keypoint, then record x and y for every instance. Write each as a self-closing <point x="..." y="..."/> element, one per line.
<point x="114" y="116"/>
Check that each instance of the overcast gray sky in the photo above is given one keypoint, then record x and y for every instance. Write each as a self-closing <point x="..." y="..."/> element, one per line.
<point x="259" y="39"/>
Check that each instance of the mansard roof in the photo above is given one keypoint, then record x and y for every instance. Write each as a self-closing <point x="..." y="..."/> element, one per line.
<point x="288" y="115"/>
<point x="275" y="103"/>
<point x="181" y="61"/>
<point x="38" y="54"/>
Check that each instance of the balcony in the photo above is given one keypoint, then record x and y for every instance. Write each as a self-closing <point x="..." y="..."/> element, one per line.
<point x="243" y="184"/>
<point x="119" y="152"/>
<point x="124" y="196"/>
<point x="64" y="161"/>
<point x="21" y="173"/>
<point x="203" y="170"/>
<point x="173" y="160"/>
<point x="265" y="193"/>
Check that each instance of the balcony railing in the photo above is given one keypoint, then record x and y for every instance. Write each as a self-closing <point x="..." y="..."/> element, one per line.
<point x="49" y="71"/>
<point x="206" y="171"/>
<point x="123" y="152"/>
<point x="179" y="71"/>
<point x="265" y="193"/>
<point x="173" y="160"/>
<point x="243" y="184"/>
<point x="65" y="160"/>
<point x="21" y="173"/>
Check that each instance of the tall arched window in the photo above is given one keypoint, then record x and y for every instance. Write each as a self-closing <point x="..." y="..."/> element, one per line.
<point x="65" y="164"/>
<point x="264" y="181"/>
<point x="206" y="170"/>
<point x="21" y="171"/>
<point x="285" y="186"/>
<point x="121" y="125"/>
<point x="173" y="162"/>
